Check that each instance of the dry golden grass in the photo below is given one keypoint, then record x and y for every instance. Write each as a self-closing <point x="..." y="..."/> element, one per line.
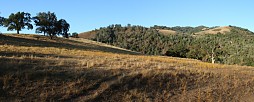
<point x="79" y="71"/>
<point x="166" y="32"/>
<point x="222" y="30"/>
<point x="88" y="35"/>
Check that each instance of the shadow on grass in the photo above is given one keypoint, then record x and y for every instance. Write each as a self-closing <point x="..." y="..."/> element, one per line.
<point x="26" y="79"/>
<point x="9" y="40"/>
<point x="30" y="79"/>
<point x="47" y="80"/>
<point x="28" y="54"/>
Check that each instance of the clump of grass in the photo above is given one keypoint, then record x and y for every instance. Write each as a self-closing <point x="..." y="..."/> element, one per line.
<point x="6" y="81"/>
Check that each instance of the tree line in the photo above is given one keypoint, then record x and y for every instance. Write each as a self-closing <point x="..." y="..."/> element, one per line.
<point x="45" y="22"/>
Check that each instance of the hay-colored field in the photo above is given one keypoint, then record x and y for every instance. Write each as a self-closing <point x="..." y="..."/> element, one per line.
<point x="222" y="30"/>
<point x="166" y="32"/>
<point x="88" y="35"/>
<point x="34" y="68"/>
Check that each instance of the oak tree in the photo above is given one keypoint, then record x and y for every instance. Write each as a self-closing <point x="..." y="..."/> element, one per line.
<point x="18" y="21"/>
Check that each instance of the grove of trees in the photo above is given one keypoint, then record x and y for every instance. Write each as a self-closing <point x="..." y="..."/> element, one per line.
<point x="45" y="22"/>
<point x="236" y="47"/>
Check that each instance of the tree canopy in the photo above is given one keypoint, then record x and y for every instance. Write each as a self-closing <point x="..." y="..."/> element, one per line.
<point x="63" y="28"/>
<point x="1" y="20"/>
<point x="47" y="23"/>
<point x="18" y="21"/>
<point x="74" y="34"/>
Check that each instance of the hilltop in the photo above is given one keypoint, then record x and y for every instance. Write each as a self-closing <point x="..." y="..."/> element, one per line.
<point x="36" y="68"/>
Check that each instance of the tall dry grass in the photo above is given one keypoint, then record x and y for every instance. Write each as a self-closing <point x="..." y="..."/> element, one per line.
<point x="36" y="73"/>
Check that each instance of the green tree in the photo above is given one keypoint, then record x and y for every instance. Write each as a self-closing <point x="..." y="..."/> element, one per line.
<point x="2" y="19"/>
<point x="18" y="21"/>
<point x="47" y="23"/>
<point x="41" y="20"/>
<point x="75" y="35"/>
<point x="62" y="28"/>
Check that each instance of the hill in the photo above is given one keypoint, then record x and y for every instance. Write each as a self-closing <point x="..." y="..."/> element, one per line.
<point x="72" y="43"/>
<point x="225" y="45"/>
<point x="164" y="30"/>
<point x="35" y="68"/>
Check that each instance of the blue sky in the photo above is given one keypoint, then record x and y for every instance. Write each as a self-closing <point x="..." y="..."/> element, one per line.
<point x="85" y="15"/>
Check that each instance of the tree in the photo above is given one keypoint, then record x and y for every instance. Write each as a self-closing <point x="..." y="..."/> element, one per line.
<point x="41" y="20"/>
<point x="75" y="35"/>
<point x="2" y="19"/>
<point x="62" y="28"/>
<point x="47" y="23"/>
<point x="18" y="21"/>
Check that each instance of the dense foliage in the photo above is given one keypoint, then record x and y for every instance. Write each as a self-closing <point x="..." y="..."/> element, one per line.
<point x="74" y="35"/>
<point x="235" y="47"/>
<point x="18" y="21"/>
<point x="47" y="23"/>
<point x="1" y="20"/>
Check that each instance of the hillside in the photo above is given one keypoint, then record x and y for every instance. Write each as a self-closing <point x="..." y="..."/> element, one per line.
<point x="166" y="32"/>
<point x="35" y="68"/>
<point x="226" y="45"/>
<point x="88" y="35"/>
<point x="221" y="30"/>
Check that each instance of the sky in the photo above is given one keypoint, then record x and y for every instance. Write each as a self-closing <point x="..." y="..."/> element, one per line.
<point x="86" y="15"/>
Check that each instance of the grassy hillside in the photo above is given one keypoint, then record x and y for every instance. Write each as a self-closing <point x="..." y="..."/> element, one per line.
<point x="88" y="35"/>
<point x="228" y="44"/>
<point x="221" y="30"/>
<point x="34" y="68"/>
<point x="166" y="32"/>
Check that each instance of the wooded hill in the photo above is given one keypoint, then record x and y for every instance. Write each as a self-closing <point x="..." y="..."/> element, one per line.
<point x="226" y="45"/>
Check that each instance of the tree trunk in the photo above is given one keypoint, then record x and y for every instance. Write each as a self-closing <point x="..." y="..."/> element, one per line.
<point x="213" y="60"/>
<point x="17" y="31"/>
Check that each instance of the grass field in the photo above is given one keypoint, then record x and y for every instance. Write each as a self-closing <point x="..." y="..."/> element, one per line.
<point x="35" y="68"/>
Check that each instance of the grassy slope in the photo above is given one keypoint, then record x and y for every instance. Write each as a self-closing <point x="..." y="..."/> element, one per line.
<point x="222" y="30"/>
<point x="87" y="35"/>
<point x="35" y="68"/>
<point x="166" y="32"/>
